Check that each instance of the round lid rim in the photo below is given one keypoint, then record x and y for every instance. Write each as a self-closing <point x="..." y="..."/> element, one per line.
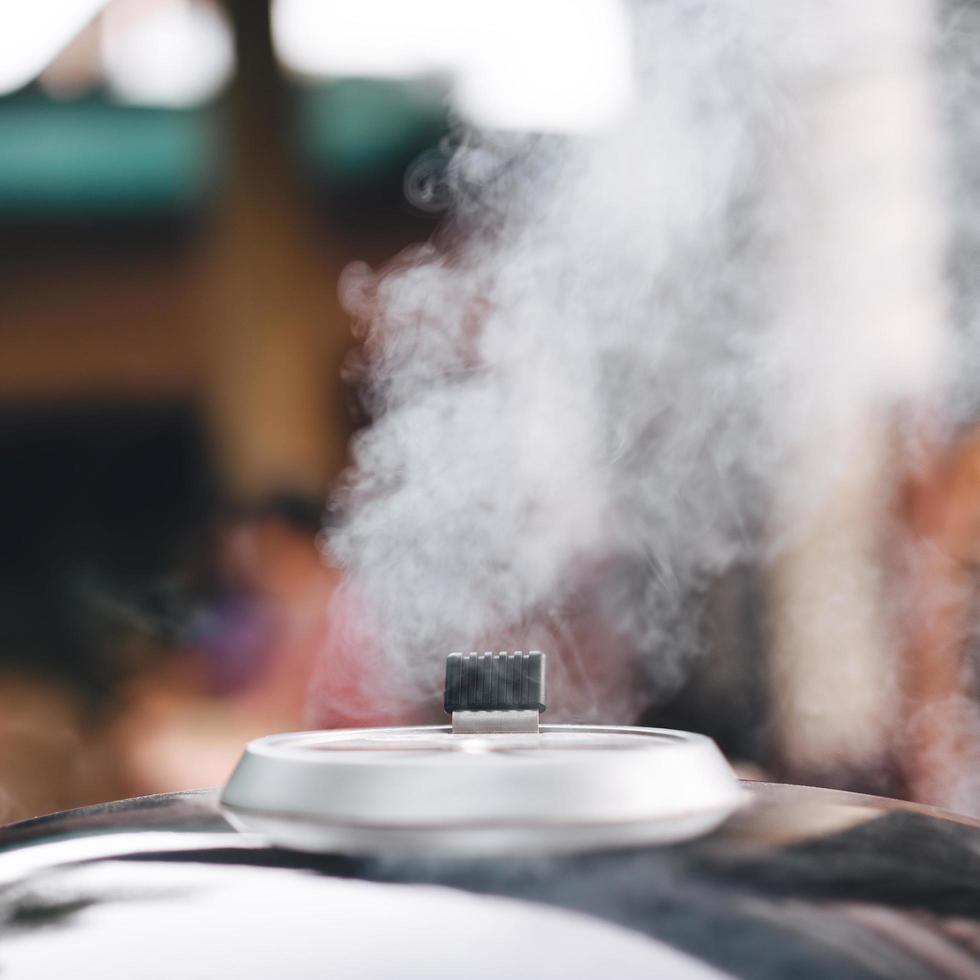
<point x="673" y="773"/>
<point x="281" y="745"/>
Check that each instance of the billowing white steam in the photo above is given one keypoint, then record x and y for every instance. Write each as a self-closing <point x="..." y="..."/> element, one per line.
<point x="585" y="391"/>
<point x="958" y="61"/>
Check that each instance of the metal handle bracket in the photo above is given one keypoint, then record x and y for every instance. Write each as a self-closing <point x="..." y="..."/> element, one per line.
<point x="495" y="693"/>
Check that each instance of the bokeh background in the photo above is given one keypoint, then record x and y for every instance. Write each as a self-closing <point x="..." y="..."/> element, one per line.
<point x="172" y="405"/>
<point x="179" y="198"/>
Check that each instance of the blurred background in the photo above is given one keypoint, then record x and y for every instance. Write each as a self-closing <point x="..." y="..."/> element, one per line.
<point x="182" y="184"/>
<point x="176" y="209"/>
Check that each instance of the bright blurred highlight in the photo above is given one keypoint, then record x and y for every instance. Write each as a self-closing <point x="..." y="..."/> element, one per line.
<point x="174" y="54"/>
<point x="549" y="65"/>
<point x="33" y="34"/>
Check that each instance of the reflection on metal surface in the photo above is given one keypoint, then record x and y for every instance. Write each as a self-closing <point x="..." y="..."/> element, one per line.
<point x="802" y="883"/>
<point x="23" y="862"/>
<point x="192" y="921"/>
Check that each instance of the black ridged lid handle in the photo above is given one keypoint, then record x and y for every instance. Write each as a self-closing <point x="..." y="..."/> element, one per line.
<point x="495" y="681"/>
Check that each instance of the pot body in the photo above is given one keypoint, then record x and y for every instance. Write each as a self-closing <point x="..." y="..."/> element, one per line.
<point x="800" y="882"/>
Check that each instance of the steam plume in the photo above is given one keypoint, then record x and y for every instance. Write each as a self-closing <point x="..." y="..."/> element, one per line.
<point x="594" y="367"/>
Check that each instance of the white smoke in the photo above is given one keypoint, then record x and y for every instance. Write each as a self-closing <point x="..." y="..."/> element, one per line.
<point x="958" y="61"/>
<point x="591" y="370"/>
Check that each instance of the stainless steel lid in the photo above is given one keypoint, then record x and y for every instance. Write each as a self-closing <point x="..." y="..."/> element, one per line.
<point x="480" y="787"/>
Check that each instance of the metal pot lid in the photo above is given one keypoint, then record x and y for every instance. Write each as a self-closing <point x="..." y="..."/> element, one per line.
<point x="496" y="780"/>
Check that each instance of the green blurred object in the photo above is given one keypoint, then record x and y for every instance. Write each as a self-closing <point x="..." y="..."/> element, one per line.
<point x="360" y="131"/>
<point x="90" y="157"/>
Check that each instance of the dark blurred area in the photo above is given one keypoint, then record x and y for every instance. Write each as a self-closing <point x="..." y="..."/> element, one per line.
<point x="83" y="557"/>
